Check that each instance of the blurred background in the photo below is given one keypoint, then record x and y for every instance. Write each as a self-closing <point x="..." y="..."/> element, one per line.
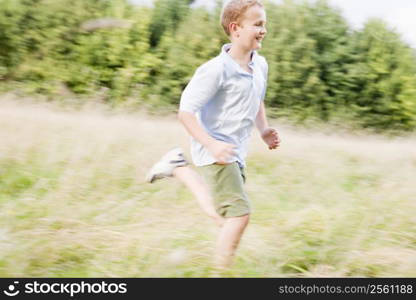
<point x="88" y="95"/>
<point x="322" y="65"/>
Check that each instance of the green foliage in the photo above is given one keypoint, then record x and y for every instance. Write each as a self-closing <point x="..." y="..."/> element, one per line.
<point x="328" y="29"/>
<point x="318" y="67"/>
<point x="294" y="80"/>
<point x="57" y="50"/>
<point x="386" y="78"/>
<point x="183" y="52"/>
<point x="167" y="15"/>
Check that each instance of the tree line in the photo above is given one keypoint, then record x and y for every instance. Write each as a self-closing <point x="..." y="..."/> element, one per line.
<point x="319" y="67"/>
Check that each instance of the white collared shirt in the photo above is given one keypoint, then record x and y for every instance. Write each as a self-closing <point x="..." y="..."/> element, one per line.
<point x="226" y="100"/>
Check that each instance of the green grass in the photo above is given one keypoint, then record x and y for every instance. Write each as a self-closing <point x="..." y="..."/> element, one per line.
<point x="73" y="202"/>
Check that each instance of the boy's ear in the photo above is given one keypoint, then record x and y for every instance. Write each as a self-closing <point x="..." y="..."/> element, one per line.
<point x="232" y="27"/>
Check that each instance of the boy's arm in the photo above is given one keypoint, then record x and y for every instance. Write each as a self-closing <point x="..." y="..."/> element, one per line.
<point x="269" y="135"/>
<point x="221" y="151"/>
<point x="261" y="119"/>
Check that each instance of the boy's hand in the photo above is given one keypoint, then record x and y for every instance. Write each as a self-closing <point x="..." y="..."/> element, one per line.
<point x="222" y="151"/>
<point x="271" y="138"/>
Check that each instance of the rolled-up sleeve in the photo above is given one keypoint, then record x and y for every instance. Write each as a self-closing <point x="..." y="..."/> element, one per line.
<point x="203" y="86"/>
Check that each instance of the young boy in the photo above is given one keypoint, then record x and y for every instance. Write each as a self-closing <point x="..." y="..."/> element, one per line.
<point x="218" y="108"/>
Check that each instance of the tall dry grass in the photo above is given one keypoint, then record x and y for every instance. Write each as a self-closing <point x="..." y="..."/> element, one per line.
<point x="73" y="202"/>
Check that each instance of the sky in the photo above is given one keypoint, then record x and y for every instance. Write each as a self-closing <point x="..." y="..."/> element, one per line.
<point x="399" y="14"/>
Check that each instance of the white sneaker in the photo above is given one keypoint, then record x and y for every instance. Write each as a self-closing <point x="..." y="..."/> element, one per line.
<point x="165" y="166"/>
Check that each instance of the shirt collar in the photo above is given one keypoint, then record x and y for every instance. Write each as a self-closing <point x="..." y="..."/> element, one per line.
<point x="231" y="62"/>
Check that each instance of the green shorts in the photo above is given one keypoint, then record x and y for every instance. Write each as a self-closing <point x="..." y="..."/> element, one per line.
<point x="227" y="187"/>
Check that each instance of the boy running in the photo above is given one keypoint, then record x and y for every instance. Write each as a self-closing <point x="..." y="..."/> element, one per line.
<point x="219" y="107"/>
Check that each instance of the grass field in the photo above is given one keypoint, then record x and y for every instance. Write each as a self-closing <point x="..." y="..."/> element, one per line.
<point x="73" y="202"/>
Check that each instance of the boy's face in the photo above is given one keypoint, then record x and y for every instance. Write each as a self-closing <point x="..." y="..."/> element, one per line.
<point x="251" y="30"/>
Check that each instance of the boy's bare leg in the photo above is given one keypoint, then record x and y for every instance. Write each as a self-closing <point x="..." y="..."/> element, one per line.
<point x="231" y="228"/>
<point x="199" y="189"/>
<point x="228" y="240"/>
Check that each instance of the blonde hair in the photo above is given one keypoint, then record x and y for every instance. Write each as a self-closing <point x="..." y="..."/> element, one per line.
<point x="233" y="11"/>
